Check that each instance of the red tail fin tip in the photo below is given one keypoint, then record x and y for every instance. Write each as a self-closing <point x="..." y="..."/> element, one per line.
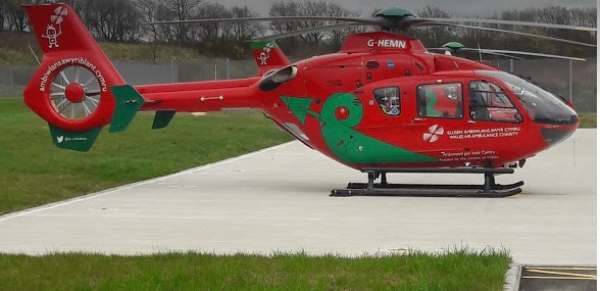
<point x="268" y="56"/>
<point x="71" y="89"/>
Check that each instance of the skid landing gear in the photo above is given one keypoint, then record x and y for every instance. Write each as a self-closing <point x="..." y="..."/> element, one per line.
<point x="489" y="189"/>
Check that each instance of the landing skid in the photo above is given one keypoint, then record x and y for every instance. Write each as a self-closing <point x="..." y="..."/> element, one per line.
<point x="489" y="189"/>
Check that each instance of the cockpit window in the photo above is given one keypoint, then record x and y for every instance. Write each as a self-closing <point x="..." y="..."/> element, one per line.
<point x="541" y="105"/>
<point x="389" y="100"/>
<point x="440" y="100"/>
<point x="489" y="103"/>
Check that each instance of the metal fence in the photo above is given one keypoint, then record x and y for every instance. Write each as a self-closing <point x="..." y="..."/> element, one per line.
<point x="550" y="74"/>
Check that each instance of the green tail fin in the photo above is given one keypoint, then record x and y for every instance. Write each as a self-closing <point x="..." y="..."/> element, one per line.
<point x="77" y="141"/>
<point x="128" y="103"/>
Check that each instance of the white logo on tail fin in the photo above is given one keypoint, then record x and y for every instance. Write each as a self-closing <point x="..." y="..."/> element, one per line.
<point x="60" y="138"/>
<point x="265" y="55"/>
<point x="54" y="29"/>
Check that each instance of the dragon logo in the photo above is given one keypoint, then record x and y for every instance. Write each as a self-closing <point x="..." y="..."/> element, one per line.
<point x="54" y="28"/>
<point x="265" y="54"/>
<point x="433" y="133"/>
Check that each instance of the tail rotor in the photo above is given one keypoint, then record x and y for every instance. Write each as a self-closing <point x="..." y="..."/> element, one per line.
<point x="75" y="93"/>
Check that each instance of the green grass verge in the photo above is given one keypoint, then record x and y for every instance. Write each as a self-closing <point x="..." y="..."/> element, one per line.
<point x="35" y="172"/>
<point x="458" y="270"/>
<point x="588" y="120"/>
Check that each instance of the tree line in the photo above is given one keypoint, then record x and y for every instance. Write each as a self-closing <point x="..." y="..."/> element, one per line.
<point x="128" y="21"/>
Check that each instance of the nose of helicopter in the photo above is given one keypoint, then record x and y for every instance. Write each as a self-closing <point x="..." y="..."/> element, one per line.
<point x="561" y="129"/>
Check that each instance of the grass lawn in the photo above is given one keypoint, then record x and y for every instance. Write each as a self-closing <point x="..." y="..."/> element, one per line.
<point x="458" y="270"/>
<point x="35" y="172"/>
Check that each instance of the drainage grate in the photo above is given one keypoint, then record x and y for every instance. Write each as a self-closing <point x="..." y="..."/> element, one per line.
<point x="558" y="278"/>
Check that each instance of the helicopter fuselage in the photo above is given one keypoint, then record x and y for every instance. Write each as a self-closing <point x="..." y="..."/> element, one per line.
<point x="384" y="101"/>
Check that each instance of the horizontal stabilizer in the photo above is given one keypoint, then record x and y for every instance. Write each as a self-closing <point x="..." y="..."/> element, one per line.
<point x="162" y="118"/>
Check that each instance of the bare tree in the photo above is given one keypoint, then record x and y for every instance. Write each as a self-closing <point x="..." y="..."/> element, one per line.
<point x="2" y="15"/>
<point x="245" y="30"/>
<point x="116" y="20"/>
<point x="283" y="8"/>
<point x="182" y="10"/>
<point x="213" y="31"/>
<point x="148" y="10"/>
<point x="338" y="35"/>
<point x="308" y="8"/>
<point x="14" y="15"/>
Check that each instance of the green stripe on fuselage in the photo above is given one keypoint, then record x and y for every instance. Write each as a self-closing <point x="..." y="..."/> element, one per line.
<point x="353" y="146"/>
<point x="299" y="106"/>
<point x="348" y="144"/>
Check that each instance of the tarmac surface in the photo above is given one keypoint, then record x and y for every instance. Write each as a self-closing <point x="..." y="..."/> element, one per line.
<point x="277" y="200"/>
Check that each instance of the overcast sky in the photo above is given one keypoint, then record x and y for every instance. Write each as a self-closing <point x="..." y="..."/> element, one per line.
<point x="459" y="7"/>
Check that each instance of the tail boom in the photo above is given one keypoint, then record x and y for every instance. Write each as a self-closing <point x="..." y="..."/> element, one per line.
<point x="78" y="91"/>
<point x="205" y="96"/>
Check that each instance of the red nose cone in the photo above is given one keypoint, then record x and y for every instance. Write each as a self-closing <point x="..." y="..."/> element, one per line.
<point x="341" y="113"/>
<point x="75" y="93"/>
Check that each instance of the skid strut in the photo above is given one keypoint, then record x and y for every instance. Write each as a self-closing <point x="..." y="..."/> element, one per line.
<point x="489" y="189"/>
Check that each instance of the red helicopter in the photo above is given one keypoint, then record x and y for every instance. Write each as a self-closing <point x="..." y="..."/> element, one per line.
<point x="382" y="104"/>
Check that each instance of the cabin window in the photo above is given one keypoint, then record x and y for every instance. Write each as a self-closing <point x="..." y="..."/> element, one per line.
<point x="488" y="102"/>
<point x="388" y="99"/>
<point x="440" y="100"/>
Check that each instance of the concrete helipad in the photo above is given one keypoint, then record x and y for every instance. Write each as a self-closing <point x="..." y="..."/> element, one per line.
<point x="277" y="199"/>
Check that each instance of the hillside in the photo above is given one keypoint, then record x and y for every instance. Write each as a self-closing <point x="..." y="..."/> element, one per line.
<point x="14" y="50"/>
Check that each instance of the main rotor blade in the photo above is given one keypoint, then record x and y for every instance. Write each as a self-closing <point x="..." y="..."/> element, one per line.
<point x="512" y="22"/>
<point x="527" y="54"/>
<point x="482" y="51"/>
<point x="379" y="21"/>
<point x="509" y="32"/>
<point x="390" y="23"/>
<point x="306" y="30"/>
<point x="272" y="18"/>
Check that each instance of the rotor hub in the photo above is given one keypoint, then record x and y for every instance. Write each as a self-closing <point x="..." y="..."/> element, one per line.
<point x="75" y="93"/>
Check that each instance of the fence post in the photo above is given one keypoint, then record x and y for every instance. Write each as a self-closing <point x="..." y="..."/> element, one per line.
<point x="227" y="68"/>
<point x="173" y="76"/>
<point x="11" y="77"/>
<point x="571" y="81"/>
<point x="512" y="66"/>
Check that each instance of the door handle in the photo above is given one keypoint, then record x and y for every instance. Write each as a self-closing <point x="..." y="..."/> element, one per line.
<point x="417" y="122"/>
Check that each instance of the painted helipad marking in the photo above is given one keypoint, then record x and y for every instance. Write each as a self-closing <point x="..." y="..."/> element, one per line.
<point x="53" y="205"/>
